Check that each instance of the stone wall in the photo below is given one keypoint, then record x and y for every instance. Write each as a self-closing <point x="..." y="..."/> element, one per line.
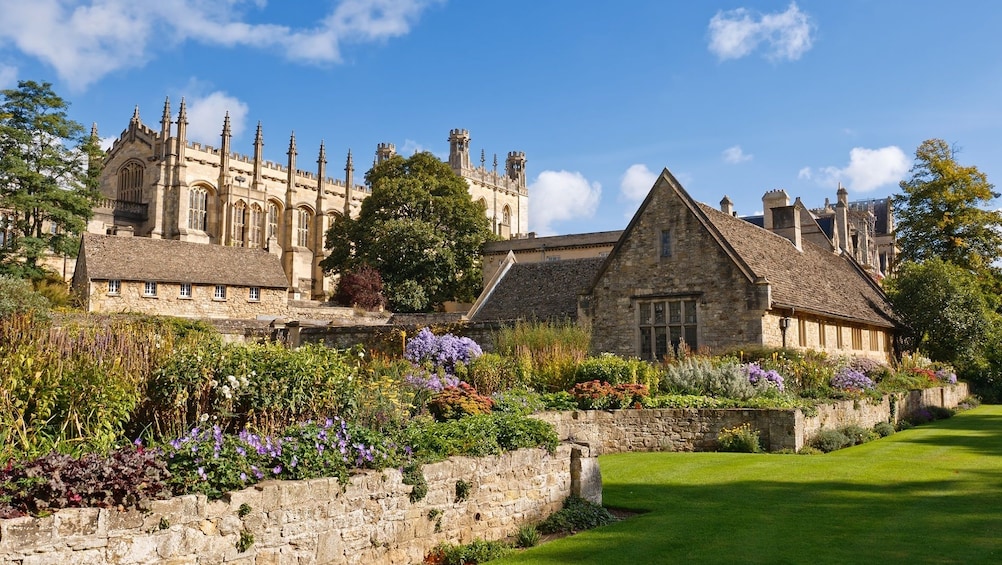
<point x="169" y="302"/>
<point x="691" y="429"/>
<point x="369" y="521"/>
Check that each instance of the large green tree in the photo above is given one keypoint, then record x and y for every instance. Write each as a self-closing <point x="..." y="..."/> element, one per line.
<point x="942" y="212"/>
<point x="420" y="229"/>
<point x="48" y="177"/>
<point x="950" y="315"/>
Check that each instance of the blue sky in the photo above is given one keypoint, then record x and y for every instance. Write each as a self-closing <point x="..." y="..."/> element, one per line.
<point x="734" y="97"/>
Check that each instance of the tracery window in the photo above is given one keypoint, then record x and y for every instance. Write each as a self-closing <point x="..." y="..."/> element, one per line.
<point x="254" y="230"/>
<point x="272" y="220"/>
<point x="506" y="216"/>
<point x="198" y="206"/>
<point x="303" y="228"/>
<point x="239" y="223"/>
<point x="130" y="182"/>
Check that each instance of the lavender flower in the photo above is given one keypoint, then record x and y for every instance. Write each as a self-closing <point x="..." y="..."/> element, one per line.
<point x="759" y="377"/>
<point x="850" y="379"/>
<point x="442" y="352"/>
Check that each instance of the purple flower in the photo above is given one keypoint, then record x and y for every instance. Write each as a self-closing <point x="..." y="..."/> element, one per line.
<point x="850" y="379"/>
<point x="442" y="352"/>
<point x="758" y="376"/>
<point x="277" y="469"/>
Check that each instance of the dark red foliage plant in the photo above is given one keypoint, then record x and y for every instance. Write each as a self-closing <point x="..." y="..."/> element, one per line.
<point x="362" y="287"/>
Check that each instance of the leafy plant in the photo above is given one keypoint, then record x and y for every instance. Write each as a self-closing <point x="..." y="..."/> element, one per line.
<point x="883" y="429"/>
<point x="527" y="536"/>
<point x="441" y="352"/>
<point x="128" y="477"/>
<point x="462" y="490"/>
<point x="616" y="370"/>
<point x="362" y="287"/>
<point x="458" y="401"/>
<point x="740" y="439"/>
<point x="245" y="542"/>
<point x="830" y="440"/>
<point x="477" y="551"/>
<point x="577" y="514"/>
<point x="597" y="395"/>
<point x="699" y="375"/>
<point x="414" y="477"/>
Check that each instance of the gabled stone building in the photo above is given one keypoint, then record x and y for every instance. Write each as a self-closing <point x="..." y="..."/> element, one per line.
<point x="178" y="278"/>
<point x="156" y="183"/>
<point x="684" y="271"/>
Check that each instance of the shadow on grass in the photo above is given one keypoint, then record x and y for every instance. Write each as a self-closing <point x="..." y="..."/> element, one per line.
<point x="924" y="504"/>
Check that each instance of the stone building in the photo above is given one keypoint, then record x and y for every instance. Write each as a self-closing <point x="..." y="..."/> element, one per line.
<point x="178" y="278"/>
<point x="532" y="249"/>
<point x="158" y="184"/>
<point x="684" y="271"/>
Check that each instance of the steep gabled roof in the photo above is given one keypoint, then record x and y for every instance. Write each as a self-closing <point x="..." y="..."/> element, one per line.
<point x="812" y="279"/>
<point x="163" y="260"/>
<point x="538" y="291"/>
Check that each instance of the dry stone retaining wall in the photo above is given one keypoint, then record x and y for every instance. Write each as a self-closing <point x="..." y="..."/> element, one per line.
<point x="371" y="520"/>
<point x="690" y="429"/>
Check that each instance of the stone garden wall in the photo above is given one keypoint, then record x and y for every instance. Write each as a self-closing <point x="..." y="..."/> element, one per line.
<point x="690" y="429"/>
<point x="371" y="520"/>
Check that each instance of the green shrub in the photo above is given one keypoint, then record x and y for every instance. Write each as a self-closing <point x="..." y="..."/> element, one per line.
<point x="414" y="477"/>
<point x="616" y="370"/>
<point x="883" y="429"/>
<point x="479" y="435"/>
<point x="596" y="395"/>
<point x="830" y="440"/>
<point x="492" y="373"/>
<point x="17" y="296"/>
<point x="740" y="439"/>
<point x="808" y="450"/>
<point x="561" y="400"/>
<point x="477" y="551"/>
<point x="527" y="536"/>
<point x="551" y="351"/>
<point x="518" y="401"/>
<point x="681" y="401"/>
<point x="699" y="375"/>
<point x="577" y="514"/>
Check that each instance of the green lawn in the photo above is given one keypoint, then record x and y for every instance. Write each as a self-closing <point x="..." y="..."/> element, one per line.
<point x="932" y="494"/>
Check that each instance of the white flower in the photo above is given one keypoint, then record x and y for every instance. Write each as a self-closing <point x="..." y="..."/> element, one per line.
<point x="204" y="418"/>
<point x="232" y="380"/>
<point x="213" y="383"/>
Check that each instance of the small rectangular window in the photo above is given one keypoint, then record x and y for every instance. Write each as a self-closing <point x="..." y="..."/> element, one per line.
<point x="857" y="338"/>
<point x="150" y="288"/>
<point x="822" y="338"/>
<point x="874" y="340"/>
<point x="114" y="286"/>
<point x="802" y="331"/>
<point x="254" y="294"/>
<point x="665" y="243"/>
<point x="185" y="290"/>
<point x="220" y="292"/>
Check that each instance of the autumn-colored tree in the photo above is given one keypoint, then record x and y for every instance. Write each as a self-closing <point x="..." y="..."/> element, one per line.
<point x="942" y="212"/>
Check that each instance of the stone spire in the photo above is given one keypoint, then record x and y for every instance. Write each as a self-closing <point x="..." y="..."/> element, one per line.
<point x="182" y="123"/>
<point x="226" y="135"/>
<point x="135" y="115"/>
<point x="349" y="184"/>
<point x="165" y="119"/>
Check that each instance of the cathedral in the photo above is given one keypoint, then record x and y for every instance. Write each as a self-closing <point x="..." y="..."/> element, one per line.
<point x="158" y="184"/>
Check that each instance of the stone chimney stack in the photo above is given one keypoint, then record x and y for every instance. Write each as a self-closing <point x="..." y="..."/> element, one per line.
<point x="773" y="199"/>
<point x="842" y="220"/>
<point x="786" y="222"/>
<point x="727" y="206"/>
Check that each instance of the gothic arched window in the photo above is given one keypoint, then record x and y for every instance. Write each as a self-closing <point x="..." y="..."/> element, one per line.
<point x="198" y="208"/>
<point x="272" y="220"/>
<point x="254" y="229"/>
<point x="130" y="182"/>
<point x="239" y="223"/>
<point x="303" y="225"/>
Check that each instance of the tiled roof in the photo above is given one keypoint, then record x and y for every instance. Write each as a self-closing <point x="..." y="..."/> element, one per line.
<point x="163" y="260"/>
<point x="540" y="291"/>
<point x="599" y="238"/>
<point x="815" y="279"/>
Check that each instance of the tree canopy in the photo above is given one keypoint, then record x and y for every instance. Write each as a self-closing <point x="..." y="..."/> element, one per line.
<point x="941" y="213"/>
<point x="420" y="229"/>
<point x="48" y="177"/>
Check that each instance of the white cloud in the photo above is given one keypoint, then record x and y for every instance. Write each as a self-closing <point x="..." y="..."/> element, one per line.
<point x="83" y="40"/>
<point x="559" y="196"/>
<point x="805" y="173"/>
<point x="107" y="142"/>
<point x="737" y="33"/>
<point x="735" y="155"/>
<point x="637" y="182"/>
<point x="8" y="76"/>
<point x="411" y="147"/>
<point x="206" y="115"/>
<point x="867" y="169"/>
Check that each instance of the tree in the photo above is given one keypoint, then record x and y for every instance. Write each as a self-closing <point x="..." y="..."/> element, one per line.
<point x="947" y="310"/>
<point x="941" y="214"/>
<point x="362" y="287"/>
<point x="420" y="229"/>
<point x="48" y="177"/>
